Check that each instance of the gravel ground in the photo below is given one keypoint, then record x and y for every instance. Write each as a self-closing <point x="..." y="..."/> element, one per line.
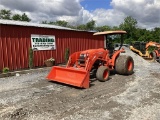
<point x="135" y="97"/>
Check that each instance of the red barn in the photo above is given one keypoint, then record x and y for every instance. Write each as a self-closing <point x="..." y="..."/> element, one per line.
<point x="15" y="41"/>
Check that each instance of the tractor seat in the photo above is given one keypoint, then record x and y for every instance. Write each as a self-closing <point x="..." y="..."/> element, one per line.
<point x="111" y="50"/>
<point x="81" y="60"/>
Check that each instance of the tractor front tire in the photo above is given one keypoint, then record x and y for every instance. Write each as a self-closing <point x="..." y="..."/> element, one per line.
<point x="102" y="73"/>
<point x="124" y="65"/>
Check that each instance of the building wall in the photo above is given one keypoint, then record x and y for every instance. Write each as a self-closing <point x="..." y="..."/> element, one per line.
<point x="15" y="42"/>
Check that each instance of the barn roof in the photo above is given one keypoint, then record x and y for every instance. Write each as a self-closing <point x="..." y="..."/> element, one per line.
<point x="22" y="23"/>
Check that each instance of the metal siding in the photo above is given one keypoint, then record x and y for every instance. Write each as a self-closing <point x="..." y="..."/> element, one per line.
<point x="1" y="52"/>
<point x="15" y="43"/>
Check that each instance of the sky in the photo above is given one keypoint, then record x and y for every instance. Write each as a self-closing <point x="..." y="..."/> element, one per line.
<point x="76" y="12"/>
<point x="91" y="5"/>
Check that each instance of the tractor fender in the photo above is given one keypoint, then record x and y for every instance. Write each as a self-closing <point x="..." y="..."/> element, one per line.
<point x="115" y="55"/>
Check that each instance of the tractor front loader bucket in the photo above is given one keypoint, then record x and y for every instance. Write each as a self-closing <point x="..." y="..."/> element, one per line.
<point x="72" y="76"/>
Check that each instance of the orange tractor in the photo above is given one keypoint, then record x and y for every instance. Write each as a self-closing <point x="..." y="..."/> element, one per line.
<point x="93" y="62"/>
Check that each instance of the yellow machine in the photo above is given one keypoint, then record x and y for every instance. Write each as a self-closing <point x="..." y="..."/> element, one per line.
<point x="142" y="49"/>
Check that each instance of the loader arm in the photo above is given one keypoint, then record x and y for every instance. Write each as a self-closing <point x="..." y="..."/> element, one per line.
<point x="135" y="50"/>
<point x="99" y="55"/>
<point x="72" y="59"/>
<point x="154" y="44"/>
<point x="90" y="57"/>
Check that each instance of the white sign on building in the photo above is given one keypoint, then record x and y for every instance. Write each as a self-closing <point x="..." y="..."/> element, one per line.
<point x="43" y="42"/>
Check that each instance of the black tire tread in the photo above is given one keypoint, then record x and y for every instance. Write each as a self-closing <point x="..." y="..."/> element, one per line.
<point x="154" y="55"/>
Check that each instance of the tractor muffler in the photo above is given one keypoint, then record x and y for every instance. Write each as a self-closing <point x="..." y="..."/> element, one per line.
<point x="71" y="76"/>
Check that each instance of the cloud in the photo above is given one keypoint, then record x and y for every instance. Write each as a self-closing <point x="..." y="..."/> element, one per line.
<point x="146" y="12"/>
<point x="109" y="17"/>
<point x="50" y="7"/>
<point x="22" y="5"/>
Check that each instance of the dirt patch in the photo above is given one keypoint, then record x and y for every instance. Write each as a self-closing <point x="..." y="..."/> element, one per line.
<point x="18" y="114"/>
<point x="156" y="75"/>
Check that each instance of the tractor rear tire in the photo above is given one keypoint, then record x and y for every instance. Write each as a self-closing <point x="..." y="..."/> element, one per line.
<point x="158" y="59"/>
<point x="153" y="55"/>
<point x="124" y="65"/>
<point x="102" y="73"/>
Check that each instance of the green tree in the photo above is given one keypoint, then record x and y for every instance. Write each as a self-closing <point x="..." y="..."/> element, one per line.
<point x="81" y="27"/>
<point x="156" y="34"/>
<point x="17" y="17"/>
<point x="66" y="56"/>
<point x="115" y="28"/>
<point x="24" y="17"/>
<point x="44" y="22"/>
<point x="129" y="25"/>
<point x="5" y="14"/>
<point x="103" y="28"/>
<point x="90" y="25"/>
<point x="59" y="23"/>
<point x="72" y="27"/>
<point x="31" y="55"/>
